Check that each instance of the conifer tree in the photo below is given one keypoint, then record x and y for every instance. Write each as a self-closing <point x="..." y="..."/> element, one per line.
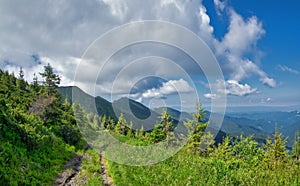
<point x="166" y="122"/>
<point x="20" y="81"/>
<point x="296" y="147"/>
<point x="121" y="125"/>
<point x="276" y="150"/>
<point x="51" y="80"/>
<point x="35" y="84"/>
<point x="196" y="127"/>
<point x="21" y="74"/>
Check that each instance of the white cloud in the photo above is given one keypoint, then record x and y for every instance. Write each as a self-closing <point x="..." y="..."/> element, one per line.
<point x="118" y="8"/>
<point x="232" y="87"/>
<point x="205" y="29"/>
<point x="173" y="86"/>
<point x="240" y="40"/>
<point x="242" y="34"/>
<point x="167" y="88"/>
<point x="268" y="81"/>
<point x="220" y="6"/>
<point x="210" y="96"/>
<point x="287" y="69"/>
<point x="60" y="31"/>
<point x="140" y="100"/>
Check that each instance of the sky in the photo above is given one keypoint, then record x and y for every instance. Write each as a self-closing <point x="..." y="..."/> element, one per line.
<point x="256" y="44"/>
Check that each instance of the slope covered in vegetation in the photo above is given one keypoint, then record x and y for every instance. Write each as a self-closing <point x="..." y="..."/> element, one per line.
<point x="39" y="133"/>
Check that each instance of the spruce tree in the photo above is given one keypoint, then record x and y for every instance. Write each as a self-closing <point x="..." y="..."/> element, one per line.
<point x="35" y="84"/>
<point x="51" y="80"/>
<point x="296" y="147"/>
<point x="21" y="84"/>
<point x="166" y="122"/>
<point x="121" y="125"/>
<point x="276" y="150"/>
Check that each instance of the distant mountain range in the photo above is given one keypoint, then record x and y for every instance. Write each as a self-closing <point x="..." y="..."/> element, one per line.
<point x="260" y="124"/>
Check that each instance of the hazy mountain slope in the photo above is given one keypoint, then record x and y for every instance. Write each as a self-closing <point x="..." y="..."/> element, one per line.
<point x="139" y="114"/>
<point x="175" y="114"/>
<point x="88" y="102"/>
<point x="259" y="124"/>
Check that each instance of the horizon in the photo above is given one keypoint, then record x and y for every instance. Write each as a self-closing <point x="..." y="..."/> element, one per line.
<point x="229" y="109"/>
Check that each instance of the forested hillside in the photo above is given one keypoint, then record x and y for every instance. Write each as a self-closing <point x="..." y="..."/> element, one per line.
<point x="38" y="131"/>
<point x="39" y="134"/>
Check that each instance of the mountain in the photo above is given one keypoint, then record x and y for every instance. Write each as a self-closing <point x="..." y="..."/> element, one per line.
<point x="266" y="123"/>
<point x="175" y="114"/>
<point x="89" y="103"/>
<point x="139" y="114"/>
<point x="133" y="111"/>
<point x="260" y="124"/>
<point x="281" y="118"/>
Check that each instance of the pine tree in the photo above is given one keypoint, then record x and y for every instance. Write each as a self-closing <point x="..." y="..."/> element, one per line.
<point x="276" y="150"/>
<point x="166" y="122"/>
<point x="296" y="147"/>
<point x="130" y="130"/>
<point x="21" y="74"/>
<point x="21" y="84"/>
<point x="121" y="125"/>
<point x="140" y="133"/>
<point x="224" y="150"/>
<point x="51" y="80"/>
<point x="35" y="84"/>
<point x="196" y="128"/>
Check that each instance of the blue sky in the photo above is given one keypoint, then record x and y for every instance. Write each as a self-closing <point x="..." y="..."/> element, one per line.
<point x="256" y="43"/>
<point x="280" y="45"/>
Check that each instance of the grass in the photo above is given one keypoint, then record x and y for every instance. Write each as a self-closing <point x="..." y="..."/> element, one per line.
<point x="90" y="173"/>
<point x="191" y="169"/>
<point x="38" y="167"/>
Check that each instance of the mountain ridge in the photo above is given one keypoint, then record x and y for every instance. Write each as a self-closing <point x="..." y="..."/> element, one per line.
<point x="261" y="125"/>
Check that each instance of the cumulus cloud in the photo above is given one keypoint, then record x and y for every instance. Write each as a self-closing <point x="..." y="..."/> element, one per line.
<point x="60" y="33"/>
<point x="242" y="34"/>
<point x="287" y="69"/>
<point x="210" y="96"/>
<point x="241" y="38"/>
<point x="167" y="88"/>
<point x="232" y="87"/>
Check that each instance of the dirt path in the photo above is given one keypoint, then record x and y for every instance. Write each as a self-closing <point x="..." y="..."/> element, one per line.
<point x="70" y="172"/>
<point x="106" y="179"/>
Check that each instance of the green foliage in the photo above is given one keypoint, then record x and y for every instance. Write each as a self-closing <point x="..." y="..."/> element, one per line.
<point x="35" y="85"/>
<point x="90" y="173"/>
<point x="51" y="80"/>
<point x="20" y="81"/>
<point x="38" y="133"/>
<point x="275" y="150"/>
<point x="296" y="148"/>
<point x="224" y="151"/>
<point x="121" y="125"/>
<point x="186" y="168"/>
<point x="247" y="150"/>
<point x="162" y="130"/>
<point x="195" y="128"/>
